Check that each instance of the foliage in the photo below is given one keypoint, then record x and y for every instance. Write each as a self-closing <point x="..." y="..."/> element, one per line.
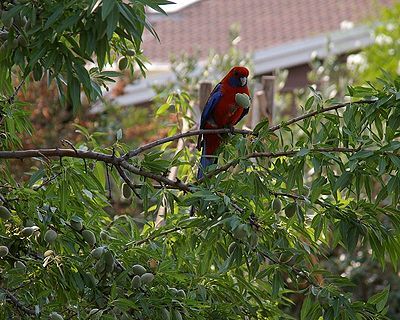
<point x="280" y="200"/>
<point x="385" y="52"/>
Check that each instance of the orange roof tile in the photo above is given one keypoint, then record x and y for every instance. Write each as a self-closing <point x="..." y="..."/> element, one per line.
<point x="205" y="25"/>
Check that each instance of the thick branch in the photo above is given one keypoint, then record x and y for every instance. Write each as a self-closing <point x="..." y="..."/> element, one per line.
<point x="159" y="142"/>
<point x="18" y="304"/>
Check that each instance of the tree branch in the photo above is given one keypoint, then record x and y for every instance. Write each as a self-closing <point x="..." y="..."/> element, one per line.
<point x="159" y="142"/>
<point x="316" y="112"/>
<point x="17" y="303"/>
<point x="289" y="153"/>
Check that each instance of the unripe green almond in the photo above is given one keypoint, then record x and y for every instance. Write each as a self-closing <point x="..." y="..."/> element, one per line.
<point x="147" y="278"/>
<point x="242" y="100"/>
<point x="56" y="316"/>
<point x="138" y="269"/>
<point x="173" y="291"/>
<point x="108" y="257"/>
<point x="122" y="63"/>
<point x="181" y="293"/>
<point x="76" y="225"/>
<point x="89" y="237"/>
<point x="277" y="205"/>
<point x="240" y="232"/>
<point x="104" y="235"/>
<point x="48" y="253"/>
<point x="290" y="209"/>
<point x="130" y="52"/>
<point x="165" y="315"/>
<point x="50" y="236"/>
<point x="100" y="267"/>
<point x="3" y="251"/>
<point x="27" y="231"/>
<point x="126" y="191"/>
<point x="253" y="239"/>
<point x="177" y="315"/>
<point x="19" y="265"/>
<point x="3" y="36"/>
<point x="110" y="267"/>
<point x="97" y="252"/>
<point x="136" y="282"/>
<point x="232" y="247"/>
<point x="4" y="213"/>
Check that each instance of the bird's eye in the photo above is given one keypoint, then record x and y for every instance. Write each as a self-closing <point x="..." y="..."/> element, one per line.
<point x="236" y="73"/>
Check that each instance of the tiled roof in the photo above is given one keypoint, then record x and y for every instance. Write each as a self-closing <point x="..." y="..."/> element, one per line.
<point x="205" y="25"/>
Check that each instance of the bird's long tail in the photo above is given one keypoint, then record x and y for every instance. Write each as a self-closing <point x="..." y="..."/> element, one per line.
<point x="205" y="161"/>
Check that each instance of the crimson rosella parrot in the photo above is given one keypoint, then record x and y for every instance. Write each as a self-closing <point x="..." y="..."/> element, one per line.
<point x="227" y="105"/>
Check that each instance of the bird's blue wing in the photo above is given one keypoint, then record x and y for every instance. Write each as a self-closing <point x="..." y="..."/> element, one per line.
<point x="212" y="101"/>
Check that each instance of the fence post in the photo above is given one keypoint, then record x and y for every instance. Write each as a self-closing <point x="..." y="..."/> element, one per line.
<point x="204" y="92"/>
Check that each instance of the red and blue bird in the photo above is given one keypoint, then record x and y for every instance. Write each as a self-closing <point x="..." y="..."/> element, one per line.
<point x="227" y="104"/>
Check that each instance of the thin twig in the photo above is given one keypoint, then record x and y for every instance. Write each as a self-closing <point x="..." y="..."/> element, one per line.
<point x="11" y="98"/>
<point x="316" y="112"/>
<point x="128" y="181"/>
<point x="289" y="153"/>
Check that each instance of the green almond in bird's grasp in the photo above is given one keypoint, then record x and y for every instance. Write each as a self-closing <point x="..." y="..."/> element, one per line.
<point x="277" y="205"/>
<point x="97" y="252"/>
<point x="3" y="251"/>
<point x="89" y="237"/>
<point x="50" y="236"/>
<point x="122" y="63"/>
<point x="4" y="213"/>
<point x="138" y="269"/>
<point x="136" y="282"/>
<point x="242" y="100"/>
<point x="56" y="316"/>
<point x="147" y="278"/>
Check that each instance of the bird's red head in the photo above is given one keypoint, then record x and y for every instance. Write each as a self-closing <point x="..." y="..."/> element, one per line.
<point x="237" y="76"/>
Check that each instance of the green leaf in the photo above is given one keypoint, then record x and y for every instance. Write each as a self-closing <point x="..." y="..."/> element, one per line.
<point x="106" y="8"/>
<point x="380" y="299"/>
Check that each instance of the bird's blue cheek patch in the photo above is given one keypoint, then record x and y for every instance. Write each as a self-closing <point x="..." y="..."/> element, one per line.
<point x="234" y="82"/>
